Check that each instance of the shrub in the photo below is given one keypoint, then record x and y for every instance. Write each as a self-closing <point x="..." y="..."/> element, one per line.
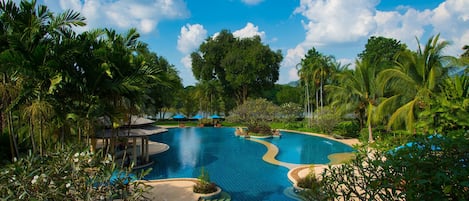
<point x="435" y="168"/>
<point x="349" y="129"/>
<point x="203" y="184"/>
<point x="327" y="119"/>
<point x="255" y="114"/>
<point x="66" y="175"/>
<point x="260" y="129"/>
<point x="313" y="189"/>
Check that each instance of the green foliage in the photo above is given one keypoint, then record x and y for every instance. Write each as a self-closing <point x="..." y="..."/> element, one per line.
<point x="293" y="125"/>
<point x="242" y="66"/>
<point x="412" y="83"/>
<point x="290" y="112"/>
<point x="382" y="49"/>
<point x="260" y="130"/>
<point x="349" y="129"/>
<point x="449" y="109"/>
<point x="55" y="83"/>
<point x="255" y="114"/>
<point x="67" y="175"/>
<point x="435" y="168"/>
<point x="288" y="94"/>
<point x="327" y="119"/>
<point x="204" y="185"/>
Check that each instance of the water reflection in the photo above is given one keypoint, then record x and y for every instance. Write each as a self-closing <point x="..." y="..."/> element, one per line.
<point x="189" y="148"/>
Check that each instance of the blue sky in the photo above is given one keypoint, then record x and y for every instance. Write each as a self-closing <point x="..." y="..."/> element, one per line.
<point x="175" y="28"/>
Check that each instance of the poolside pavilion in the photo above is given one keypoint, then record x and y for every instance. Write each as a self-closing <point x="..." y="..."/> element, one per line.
<point x="135" y="133"/>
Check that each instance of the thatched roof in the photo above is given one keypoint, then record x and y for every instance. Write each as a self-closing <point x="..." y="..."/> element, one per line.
<point x="132" y="132"/>
<point x="135" y="121"/>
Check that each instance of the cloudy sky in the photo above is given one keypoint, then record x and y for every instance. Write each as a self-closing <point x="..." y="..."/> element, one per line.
<point x="175" y="28"/>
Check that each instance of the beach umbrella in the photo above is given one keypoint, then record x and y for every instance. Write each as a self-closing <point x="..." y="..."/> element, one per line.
<point x="179" y="116"/>
<point x="198" y="116"/>
<point x="215" y="116"/>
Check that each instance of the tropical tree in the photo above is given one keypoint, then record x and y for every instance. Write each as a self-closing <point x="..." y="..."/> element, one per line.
<point x="243" y="66"/>
<point x="315" y="70"/>
<point x="449" y="108"/>
<point x="359" y="93"/>
<point x="255" y="114"/>
<point x="209" y="95"/>
<point x="29" y="33"/>
<point x="413" y="82"/>
<point x="383" y="50"/>
<point x="288" y="94"/>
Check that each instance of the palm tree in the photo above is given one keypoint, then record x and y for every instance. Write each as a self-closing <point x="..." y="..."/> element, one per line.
<point x="305" y="74"/>
<point x="30" y="32"/>
<point x="208" y="93"/>
<point x="413" y="82"/>
<point x="359" y="92"/>
<point x="315" y="70"/>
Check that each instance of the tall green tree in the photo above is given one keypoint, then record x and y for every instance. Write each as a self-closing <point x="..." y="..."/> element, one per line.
<point x="242" y="65"/>
<point x="29" y="33"/>
<point x="209" y="94"/>
<point x="383" y="50"/>
<point x="315" y="71"/>
<point x="413" y="82"/>
<point x="358" y="92"/>
<point x="449" y="108"/>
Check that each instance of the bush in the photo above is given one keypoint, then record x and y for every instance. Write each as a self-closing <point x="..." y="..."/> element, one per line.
<point x="349" y="129"/>
<point x="260" y="129"/>
<point x="255" y="113"/>
<point x="66" y="175"/>
<point x="327" y="119"/>
<point x="435" y="168"/>
<point x="204" y="185"/>
<point x="313" y="189"/>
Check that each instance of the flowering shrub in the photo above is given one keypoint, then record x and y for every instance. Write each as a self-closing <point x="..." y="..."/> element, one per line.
<point x="67" y="175"/>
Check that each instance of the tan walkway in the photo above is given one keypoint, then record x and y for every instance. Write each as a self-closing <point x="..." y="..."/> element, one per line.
<point x="172" y="189"/>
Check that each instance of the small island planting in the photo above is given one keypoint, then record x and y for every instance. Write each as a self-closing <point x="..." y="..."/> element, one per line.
<point x="204" y="185"/>
<point x="255" y="114"/>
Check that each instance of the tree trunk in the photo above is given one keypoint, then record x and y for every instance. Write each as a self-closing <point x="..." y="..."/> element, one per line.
<point x="370" y="131"/>
<point x="41" y="149"/>
<point x="321" y="93"/>
<point x="31" y="135"/>
<point x="13" y="144"/>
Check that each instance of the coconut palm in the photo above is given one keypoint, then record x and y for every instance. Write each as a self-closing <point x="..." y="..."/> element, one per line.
<point x="358" y="92"/>
<point x="413" y="82"/>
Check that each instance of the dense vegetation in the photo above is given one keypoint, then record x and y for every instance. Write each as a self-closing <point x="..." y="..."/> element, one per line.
<point x="431" y="168"/>
<point x="56" y="85"/>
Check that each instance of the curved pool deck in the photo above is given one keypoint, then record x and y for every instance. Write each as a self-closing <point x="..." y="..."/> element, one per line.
<point x="181" y="188"/>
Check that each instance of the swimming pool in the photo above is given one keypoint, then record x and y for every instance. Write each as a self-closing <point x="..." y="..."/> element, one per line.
<point x="235" y="164"/>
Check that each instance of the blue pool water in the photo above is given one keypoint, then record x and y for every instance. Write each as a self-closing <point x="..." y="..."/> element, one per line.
<point x="235" y="164"/>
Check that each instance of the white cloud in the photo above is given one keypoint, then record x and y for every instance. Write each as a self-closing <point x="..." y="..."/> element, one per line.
<point x="124" y="14"/>
<point x="187" y="61"/>
<point x="336" y="21"/>
<point x="451" y="20"/>
<point x="404" y="27"/>
<point x="191" y="37"/>
<point x="249" y="31"/>
<point x="292" y="75"/>
<point x="332" y="23"/>
<point x="252" y="2"/>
